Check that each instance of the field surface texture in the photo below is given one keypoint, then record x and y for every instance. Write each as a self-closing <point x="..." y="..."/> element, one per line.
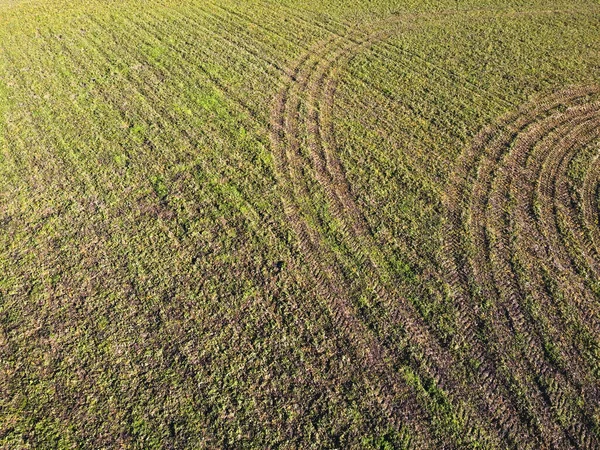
<point x="300" y="224"/>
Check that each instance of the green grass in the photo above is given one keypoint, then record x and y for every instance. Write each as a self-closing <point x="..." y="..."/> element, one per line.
<point x="175" y="273"/>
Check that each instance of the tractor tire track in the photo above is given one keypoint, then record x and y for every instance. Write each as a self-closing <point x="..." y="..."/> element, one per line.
<point x="331" y="283"/>
<point x="489" y="195"/>
<point x="320" y="84"/>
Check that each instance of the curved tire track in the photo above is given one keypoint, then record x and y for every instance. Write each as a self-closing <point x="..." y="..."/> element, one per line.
<point x="318" y="79"/>
<point x="502" y="206"/>
<point x="476" y="202"/>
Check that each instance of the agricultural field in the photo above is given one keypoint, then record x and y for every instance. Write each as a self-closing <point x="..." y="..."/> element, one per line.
<point x="300" y="224"/>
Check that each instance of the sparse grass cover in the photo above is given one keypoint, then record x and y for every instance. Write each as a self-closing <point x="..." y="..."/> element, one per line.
<point x="299" y="224"/>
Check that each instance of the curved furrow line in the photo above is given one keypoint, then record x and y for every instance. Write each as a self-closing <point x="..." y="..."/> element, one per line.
<point x="554" y="150"/>
<point x="454" y="208"/>
<point x="337" y="183"/>
<point x="519" y="173"/>
<point x="331" y="283"/>
<point x="458" y="209"/>
<point x="546" y="193"/>
<point x="559" y="146"/>
<point x="546" y="196"/>
<point x="549" y="198"/>
<point x="337" y="190"/>
<point x="480" y="211"/>
<point x="580" y="246"/>
<point x="495" y="269"/>
<point x="580" y="285"/>
<point x="316" y="150"/>
<point x="320" y="83"/>
<point x="330" y="175"/>
<point x="573" y="277"/>
<point x="370" y="257"/>
<point x="501" y="264"/>
<point x="469" y="298"/>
